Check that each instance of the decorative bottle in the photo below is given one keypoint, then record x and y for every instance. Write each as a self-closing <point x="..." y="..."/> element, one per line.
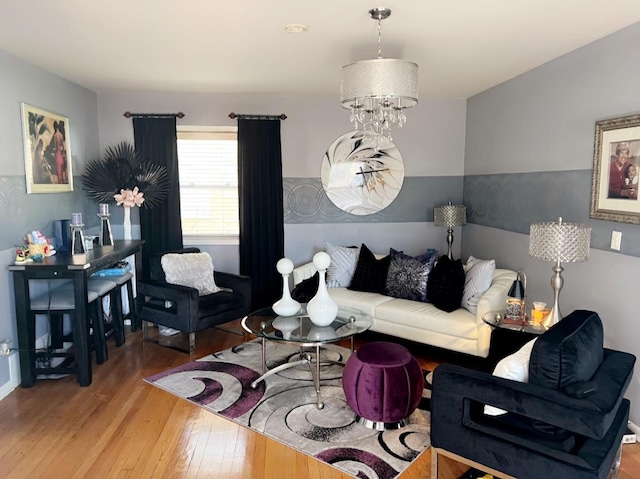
<point x="322" y="309"/>
<point x="285" y="306"/>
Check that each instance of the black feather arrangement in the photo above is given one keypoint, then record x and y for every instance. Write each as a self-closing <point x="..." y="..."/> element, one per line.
<point x="124" y="168"/>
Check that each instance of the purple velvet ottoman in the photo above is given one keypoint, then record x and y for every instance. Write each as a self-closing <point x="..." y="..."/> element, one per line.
<point x="383" y="384"/>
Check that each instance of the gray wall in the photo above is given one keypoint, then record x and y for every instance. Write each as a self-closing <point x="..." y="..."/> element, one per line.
<point x="431" y="144"/>
<point x="21" y="213"/>
<point x="529" y="154"/>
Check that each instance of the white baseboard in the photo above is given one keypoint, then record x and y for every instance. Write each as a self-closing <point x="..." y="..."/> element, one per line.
<point x="634" y="427"/>
<point x="14" y="376"/>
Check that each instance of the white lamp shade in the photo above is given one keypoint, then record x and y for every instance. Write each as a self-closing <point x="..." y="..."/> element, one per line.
<point x="379" y="78"/>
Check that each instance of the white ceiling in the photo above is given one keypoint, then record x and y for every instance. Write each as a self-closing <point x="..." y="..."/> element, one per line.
<point x="239" y="46"/>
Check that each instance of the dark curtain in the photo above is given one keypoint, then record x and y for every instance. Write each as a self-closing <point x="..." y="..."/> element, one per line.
<point x="155" y="139"/>
<point x="261" y="208"/>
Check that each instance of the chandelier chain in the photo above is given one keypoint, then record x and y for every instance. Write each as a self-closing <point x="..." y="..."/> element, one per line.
<point x="379" y="37"/>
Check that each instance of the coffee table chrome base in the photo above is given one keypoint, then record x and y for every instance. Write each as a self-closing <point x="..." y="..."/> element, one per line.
<point x="306" y="359"/>
<point x="381" y="426"/>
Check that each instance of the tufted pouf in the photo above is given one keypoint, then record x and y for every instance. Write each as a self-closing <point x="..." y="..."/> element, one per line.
<point x="383" y="384"/>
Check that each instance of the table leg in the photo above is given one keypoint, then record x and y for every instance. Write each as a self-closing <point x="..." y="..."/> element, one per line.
<point x="277" y="369"/>
<point x="316" y="379"/>
<point x="80" y="335"/>
<point x="26" y="330"/>
<point x="264" y="356"/>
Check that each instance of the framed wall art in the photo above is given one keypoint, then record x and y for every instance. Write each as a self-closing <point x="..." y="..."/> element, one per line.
<point x="616" y="160"/>
<point x="362" y="173"/>
<point x="47" y="151"/>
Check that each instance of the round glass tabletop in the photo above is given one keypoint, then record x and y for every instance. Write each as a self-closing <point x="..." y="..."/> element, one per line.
<point x="497" y="319"/>
<point x="299" y="328"/>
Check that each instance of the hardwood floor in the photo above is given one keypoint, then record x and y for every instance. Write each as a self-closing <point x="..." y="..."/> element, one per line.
<point x="122" y="427"/>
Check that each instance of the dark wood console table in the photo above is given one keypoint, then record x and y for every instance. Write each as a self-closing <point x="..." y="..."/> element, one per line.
<point x="64" y="266"/>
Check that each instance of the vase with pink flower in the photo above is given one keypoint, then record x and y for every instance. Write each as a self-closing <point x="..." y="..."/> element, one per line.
<point x="128" y="199"/>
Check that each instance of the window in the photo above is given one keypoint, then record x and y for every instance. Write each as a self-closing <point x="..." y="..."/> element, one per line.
<point x="207" y="164"/>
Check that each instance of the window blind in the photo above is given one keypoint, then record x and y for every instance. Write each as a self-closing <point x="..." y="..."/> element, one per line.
<point x="207" y="163"/>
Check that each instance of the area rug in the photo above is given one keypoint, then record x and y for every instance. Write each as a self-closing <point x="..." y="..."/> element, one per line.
<point x="283" y="407"/>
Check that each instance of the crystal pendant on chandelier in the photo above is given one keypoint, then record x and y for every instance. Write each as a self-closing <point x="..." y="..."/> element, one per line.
<point x="377" y="91"/>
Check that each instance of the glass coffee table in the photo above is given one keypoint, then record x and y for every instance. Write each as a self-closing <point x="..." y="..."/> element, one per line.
<point x="299" y="330"/>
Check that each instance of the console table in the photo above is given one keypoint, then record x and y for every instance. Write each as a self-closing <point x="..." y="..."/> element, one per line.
<point x="78" y="268"/>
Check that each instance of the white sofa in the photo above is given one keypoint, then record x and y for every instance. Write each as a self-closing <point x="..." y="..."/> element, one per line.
<point x="459" y="330"/>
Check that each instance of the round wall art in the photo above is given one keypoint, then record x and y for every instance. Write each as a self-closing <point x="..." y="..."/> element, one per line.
<point x="362" y="173"/>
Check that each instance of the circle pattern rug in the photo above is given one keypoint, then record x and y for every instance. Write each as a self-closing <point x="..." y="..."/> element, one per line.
<point x="284" y="407"/>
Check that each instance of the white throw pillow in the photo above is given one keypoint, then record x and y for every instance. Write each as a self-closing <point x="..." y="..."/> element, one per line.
<point x="343" y="265"/>
<point x="190" y="269"/>
<point x="514" y="367"/>
<point x="478" y="275"/>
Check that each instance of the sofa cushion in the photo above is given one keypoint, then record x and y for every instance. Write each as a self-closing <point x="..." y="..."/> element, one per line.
<point x="343" y="265"/>
<point x="446" y="284"/>
<point x="407" y="277"/>
<point x="425" y="316"/>
<point x="371" y="273"/>
<point x="478" y="275"/>
<point x="194" y="270"/>
<point x="362" y="300"/>
<point x="569" y="352"/>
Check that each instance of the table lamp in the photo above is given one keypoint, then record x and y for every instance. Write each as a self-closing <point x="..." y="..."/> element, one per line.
<point x="450" y="216"/>
<point x="559" y="242"/>
<point x="517" y="297"/>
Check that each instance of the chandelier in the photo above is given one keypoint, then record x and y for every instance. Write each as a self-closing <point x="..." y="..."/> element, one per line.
<point x="378" y="91"/>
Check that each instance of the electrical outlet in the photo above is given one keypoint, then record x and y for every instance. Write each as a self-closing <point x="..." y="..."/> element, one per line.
<point x="5" y="347"/>
<point x="616" y="240"/>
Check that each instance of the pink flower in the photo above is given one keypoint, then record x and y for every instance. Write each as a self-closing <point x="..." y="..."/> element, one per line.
<point x="129" y="198"/>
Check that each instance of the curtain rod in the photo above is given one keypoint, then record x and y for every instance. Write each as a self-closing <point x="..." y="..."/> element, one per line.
<point x="128" y="114"/>
<point x="258" y="117"/>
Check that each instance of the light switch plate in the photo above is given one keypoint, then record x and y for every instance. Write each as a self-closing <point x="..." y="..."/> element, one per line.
<point x="616" y="240"/>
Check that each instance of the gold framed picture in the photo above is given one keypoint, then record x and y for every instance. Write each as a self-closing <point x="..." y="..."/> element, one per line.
<point x="47" y="151"/>
<point x="616" y="161"/>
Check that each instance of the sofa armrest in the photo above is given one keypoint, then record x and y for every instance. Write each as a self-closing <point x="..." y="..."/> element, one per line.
<point x="302" y="272"/>
<point x="495" y="298"/>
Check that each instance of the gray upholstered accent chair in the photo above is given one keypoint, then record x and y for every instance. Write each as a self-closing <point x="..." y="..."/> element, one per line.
<point x="182" y="308"/>
<point x="567" y="421"/>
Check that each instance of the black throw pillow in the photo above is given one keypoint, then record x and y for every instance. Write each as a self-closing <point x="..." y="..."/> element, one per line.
<point x="446" y="284"/>
<point x="371" y="273"/>
<point x="306" y="289"/>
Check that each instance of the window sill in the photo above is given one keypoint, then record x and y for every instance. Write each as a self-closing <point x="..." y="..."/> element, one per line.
<point x="211" y="240"/>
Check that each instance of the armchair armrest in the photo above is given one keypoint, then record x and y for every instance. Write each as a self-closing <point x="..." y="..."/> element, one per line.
<point x="237" y="283"/>
<point x="457" y="390"/>
<point x="153" y="296"/>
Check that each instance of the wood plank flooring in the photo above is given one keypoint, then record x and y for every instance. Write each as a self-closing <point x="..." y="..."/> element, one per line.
<point x="122" y="427"/>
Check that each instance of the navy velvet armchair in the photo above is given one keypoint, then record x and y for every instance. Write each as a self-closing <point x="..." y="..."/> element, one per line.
<point x="567" y="421"/>
<point x="182" y="308"/>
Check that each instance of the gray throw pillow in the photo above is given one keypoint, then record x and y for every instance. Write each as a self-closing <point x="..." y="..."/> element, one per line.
<point x="343" y="265"/>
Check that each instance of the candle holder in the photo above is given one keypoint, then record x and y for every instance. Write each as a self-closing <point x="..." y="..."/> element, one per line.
<point x="106" y="237"/>
<point x="77" y="239"/>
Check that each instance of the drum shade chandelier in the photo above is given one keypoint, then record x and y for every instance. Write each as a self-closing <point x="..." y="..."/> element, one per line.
<point x="377" y="91"/>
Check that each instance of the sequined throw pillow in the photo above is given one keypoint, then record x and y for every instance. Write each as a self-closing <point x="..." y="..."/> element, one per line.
<point x="408" y="276"/>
